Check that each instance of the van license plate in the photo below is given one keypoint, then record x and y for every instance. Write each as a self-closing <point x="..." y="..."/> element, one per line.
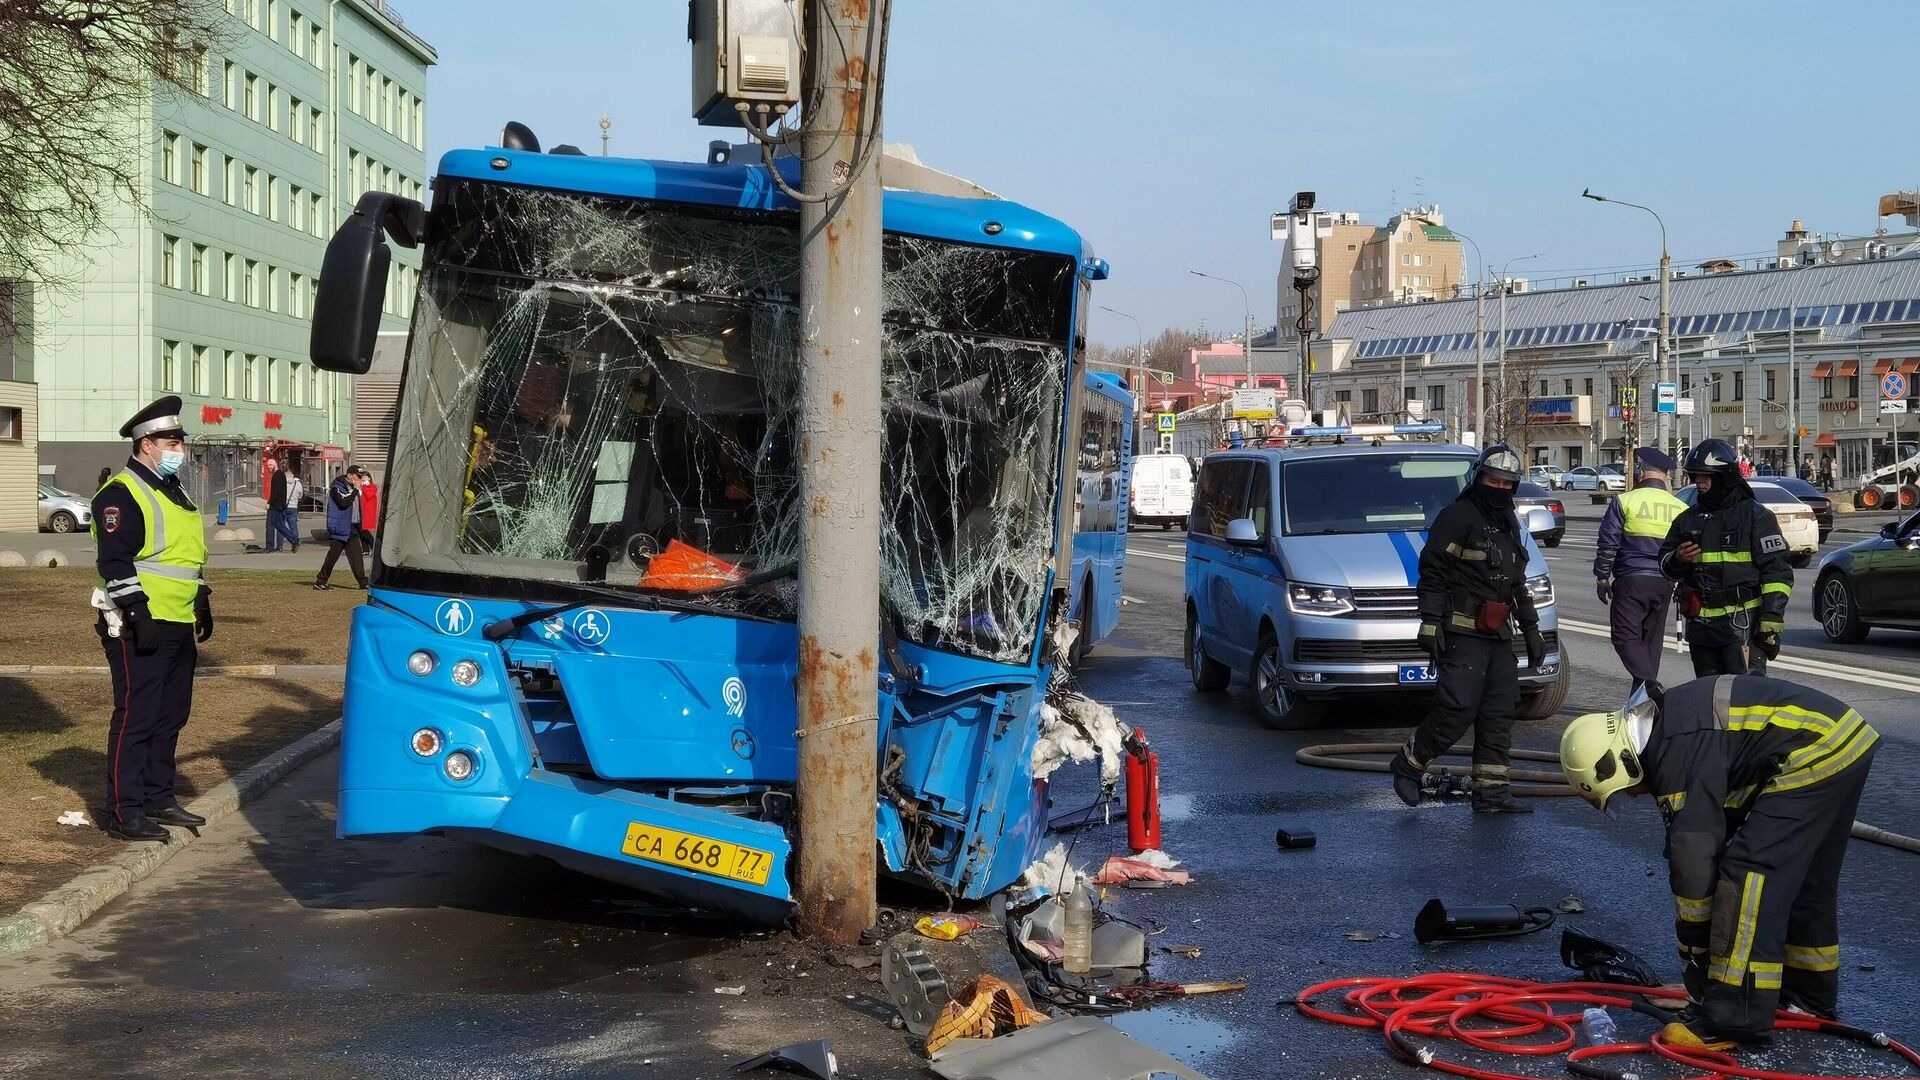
<point x="697" y="853"/>
<point x="1417" y="674"/>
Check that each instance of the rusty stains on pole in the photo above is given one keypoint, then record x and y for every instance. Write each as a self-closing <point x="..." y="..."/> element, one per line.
<point x="837" y="683"/>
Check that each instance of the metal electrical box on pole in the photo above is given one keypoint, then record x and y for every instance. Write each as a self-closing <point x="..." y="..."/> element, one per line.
<point x="745" y="52"/>
<point x="841" y="441"/>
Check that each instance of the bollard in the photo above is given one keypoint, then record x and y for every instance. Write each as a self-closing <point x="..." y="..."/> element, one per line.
<point x="221" y="518"/>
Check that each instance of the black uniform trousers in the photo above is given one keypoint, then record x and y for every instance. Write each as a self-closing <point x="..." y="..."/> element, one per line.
<point x="1776" y="926"/>
<point x="1638" y="615"/>
<point x="1738" y="659"/>
<point x="1479" y="689"/>
<point x="152" y="696"/>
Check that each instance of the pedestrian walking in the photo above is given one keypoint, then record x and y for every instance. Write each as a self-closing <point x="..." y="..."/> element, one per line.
<point x="1826" y="473"/>
<point x="154" y="613"/>
<point x="343" y="529"/>
<point x="106" y="474"/>
<point x="1626" y="564"/>
<point x="280" y="530"/>
<point x="296" y="491"/>
<point x="1472" y="591"/>
<point x="1758" y="780"/>
<point x="1735" y="576"/>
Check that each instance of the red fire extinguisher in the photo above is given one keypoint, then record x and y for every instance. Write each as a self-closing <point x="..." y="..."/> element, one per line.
<point x="1143" y="793"/>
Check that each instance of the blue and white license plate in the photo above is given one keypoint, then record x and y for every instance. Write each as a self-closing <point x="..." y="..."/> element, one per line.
<point x="1417" y="674"/>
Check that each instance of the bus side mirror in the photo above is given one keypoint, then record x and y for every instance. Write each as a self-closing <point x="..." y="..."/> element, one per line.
<point x="353" y="280"/>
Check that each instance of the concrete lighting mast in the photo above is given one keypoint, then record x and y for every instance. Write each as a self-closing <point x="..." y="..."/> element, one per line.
<point x="1139" y="359"/>
<point x="1664" y="347"/>
<point x="1479" y="345"/>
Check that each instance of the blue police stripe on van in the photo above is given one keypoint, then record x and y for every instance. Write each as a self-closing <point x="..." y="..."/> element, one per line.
<point x="1409" y="556"/>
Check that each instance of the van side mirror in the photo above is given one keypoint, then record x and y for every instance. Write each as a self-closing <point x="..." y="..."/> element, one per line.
<point x="1887" y="531"/>
<point x="353" y="280"/>
<point x="1242" y="531"/>
<point x="1539" y="520"/>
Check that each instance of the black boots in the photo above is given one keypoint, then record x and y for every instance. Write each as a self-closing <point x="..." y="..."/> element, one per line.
<point x="1406" y="778"/>
<point x="175" y="814"/>
<point x="137" y="827"/>
<point x="1498" y="799"/>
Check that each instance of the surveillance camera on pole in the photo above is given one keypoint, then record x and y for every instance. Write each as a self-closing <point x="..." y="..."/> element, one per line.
<point x="1303" y="242"/>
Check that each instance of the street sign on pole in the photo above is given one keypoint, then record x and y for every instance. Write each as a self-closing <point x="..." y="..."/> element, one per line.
<point x="1893" y="405"/>
<point x="1163" y="423"/>
<point x="1893" y="385"/>
<point x="1630" y="396"/>
<point x="1684" y="407"/>
<point x="1666" y="397"/>
<point x="1166" y="378"/>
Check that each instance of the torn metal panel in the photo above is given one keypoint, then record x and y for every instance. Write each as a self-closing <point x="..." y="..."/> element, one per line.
<point x="1070" y="1048"/>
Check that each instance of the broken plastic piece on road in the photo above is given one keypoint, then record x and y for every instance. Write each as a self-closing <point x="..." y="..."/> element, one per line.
<point x="1603" y="961"/>
<point x="806" y="1058"/>
<point x="1361" y="935"/>
<point x="946" y="927"/>
<point x="1295" y="838"/>
<point x="1191" y="952"/>
<point x="984" y="1010"/>
<point x="1437" y="921"/>
<point x="1571" y="905"/>
<point x="731" y="991"/>
<point x="1121" y="869"/>
<point x="73" y="817"/>
<point x="1071" y="1048"/>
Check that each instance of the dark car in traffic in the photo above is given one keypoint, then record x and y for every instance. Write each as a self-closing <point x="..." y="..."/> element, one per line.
<point x="1529" y="494"/>
<point x="1874" y="583"/>
<point x="1819" y="501"/>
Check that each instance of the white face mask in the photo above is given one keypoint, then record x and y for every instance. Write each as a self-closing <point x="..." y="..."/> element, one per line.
<point x="170" y="462"/>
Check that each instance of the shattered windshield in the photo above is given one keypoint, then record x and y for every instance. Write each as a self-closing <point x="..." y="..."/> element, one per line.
<point x="607" y="391"/>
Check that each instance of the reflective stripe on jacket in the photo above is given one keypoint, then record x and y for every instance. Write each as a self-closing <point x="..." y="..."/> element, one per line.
<point x="1631" y="532"/>
<point x="171" y="554"/>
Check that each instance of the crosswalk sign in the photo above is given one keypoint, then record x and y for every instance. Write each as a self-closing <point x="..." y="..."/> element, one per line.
<point x="1163" y="423"/>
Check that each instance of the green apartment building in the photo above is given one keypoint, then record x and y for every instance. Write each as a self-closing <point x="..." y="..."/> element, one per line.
<point x="208" y="296"/>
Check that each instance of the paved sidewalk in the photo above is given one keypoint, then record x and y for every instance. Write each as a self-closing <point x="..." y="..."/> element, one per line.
<point x="77" y="548"/>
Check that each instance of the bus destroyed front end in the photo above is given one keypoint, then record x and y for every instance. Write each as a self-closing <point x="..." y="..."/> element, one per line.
<point x="582" y="643"/>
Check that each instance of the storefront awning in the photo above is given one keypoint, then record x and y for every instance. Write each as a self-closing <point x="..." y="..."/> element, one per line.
<point x="1823" y="370"/>
<point x="1615" y="443"/>
<point x="1910" y="365"/>
<point x="1846" y="368"/>
<point x="1825" y="441"/>
<point x="1881" y="367"/>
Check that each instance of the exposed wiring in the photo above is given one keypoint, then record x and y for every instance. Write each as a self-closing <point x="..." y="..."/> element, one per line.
<point x="868" y="135"/>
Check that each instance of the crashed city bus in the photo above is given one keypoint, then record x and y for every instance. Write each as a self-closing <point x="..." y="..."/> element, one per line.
<point x="580" y="640"/>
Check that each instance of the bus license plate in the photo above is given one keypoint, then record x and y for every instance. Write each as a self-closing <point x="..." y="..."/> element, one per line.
<point x="698" y="854"/>
<point x="1417" y="674"/>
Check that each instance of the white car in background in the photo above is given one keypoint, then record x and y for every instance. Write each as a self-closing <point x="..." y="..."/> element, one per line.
<point x="63" y="511"/>
<point x="1161" y="491"/>
<point x="1797" y="521"/>
<point x="1599" y="483"/>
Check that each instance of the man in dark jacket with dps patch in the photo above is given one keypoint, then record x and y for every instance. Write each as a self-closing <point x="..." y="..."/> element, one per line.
<point x="1472" y="590"/>
<point x="1732" y="564"/>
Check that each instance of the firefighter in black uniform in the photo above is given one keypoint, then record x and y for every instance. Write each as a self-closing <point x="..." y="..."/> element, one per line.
<point x="1735" y="575"/>
<point x="1473" y="589"/>
<point x="154" y="610"/>
<point x="1758" y="780"/>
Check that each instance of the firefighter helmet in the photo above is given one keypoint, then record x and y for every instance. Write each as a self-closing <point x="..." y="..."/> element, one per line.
<point x="1600" y="752"/>
<point x="1498" y="461"/>
<point x="1713" y="457"/>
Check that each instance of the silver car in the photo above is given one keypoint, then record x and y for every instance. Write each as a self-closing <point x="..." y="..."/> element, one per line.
<point x="63" y="511"/>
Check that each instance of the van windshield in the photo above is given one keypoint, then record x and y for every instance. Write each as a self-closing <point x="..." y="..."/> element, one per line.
<point x="1369" y="493"/>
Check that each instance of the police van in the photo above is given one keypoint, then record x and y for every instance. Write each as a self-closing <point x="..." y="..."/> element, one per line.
<point x="1301" y="564"/>
<point x="1161" y="492"/>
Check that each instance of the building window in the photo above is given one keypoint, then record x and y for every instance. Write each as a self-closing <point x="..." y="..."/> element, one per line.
<point x="170" y="157"/>
<point x="229" y="374"/>
<point x="249" y="376"/>
<point x="253" y="190"/>
<point x="273" y="107"/>
<point x="1569" y="390"/>
<point x="297" y="208"/>
<point x="1437" y="397"/>
<point x="202" y="82"/>
<point x="313" y="388"/>
<point x="1853" y="386"/>
<point x="199" y="169"/>
<point x="253" y="98"/>
<point x="297" y="120"/>
<point x="1739" y="386"/>
<point x="297" y="35"/>
<point x="419" y="124"/>
<point x="353" y="83"/>
<point x="296" y="384"/>
<point x="253" y="284"/>
<point x="273" y="19"/>
<point x="253" y="13"/>
<point x="1589" y="389"/>
<point x="230" y="276"/>
<point x="170" y="365"/>
<point x="318" y="53"/>
<point x="373" y="102"/>
<point x="1713" y="394"/>
<point x="232" y="182"/>
<point x="1370" y="401"/>
<point x="170" y="262"/>
<point x="1771" y="396"/>
<point x="273" y="381"/>
<point x="319" y="216"/>
<point x="273" y="289"/>
<point x="296" y="296"/>
<point x="200" y="370"/>
<point x="229" y="83"/>
<point x="1543" y="388"/>
<point x="197" y="272"/>
<point x="273" y="198"/>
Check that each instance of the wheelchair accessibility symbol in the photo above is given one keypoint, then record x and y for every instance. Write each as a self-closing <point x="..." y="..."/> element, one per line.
<point x="591" y="627"/>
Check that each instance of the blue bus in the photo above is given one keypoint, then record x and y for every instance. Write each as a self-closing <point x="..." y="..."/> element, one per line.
<point x="580" y="641"/>
<point x="1100" y="507"/>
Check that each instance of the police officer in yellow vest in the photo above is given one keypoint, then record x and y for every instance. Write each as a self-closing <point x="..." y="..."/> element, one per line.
<point x="154" y="611"/>
<point x="1626" y="564"/>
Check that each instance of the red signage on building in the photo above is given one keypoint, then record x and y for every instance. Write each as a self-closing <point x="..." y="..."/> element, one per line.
<point x="214" y="414"/>
<point x="273" y="421"/>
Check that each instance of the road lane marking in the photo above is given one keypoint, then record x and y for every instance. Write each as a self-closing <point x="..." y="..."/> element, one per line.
<point x="1125" y="599"/>
<point x="1820" y="668"/>
<point x="1156" y="555"/>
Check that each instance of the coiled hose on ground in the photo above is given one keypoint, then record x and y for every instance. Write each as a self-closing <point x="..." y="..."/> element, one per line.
<point x="1537" y="783"/>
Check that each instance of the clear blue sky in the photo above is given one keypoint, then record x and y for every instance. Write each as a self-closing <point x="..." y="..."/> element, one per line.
<point x="1169" y="133"/>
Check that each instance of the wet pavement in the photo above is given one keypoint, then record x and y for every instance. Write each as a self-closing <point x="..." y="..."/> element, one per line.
<point x="273" y="949"/>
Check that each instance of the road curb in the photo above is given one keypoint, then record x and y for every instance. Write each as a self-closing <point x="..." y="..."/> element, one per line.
<point x="232" y="671"/>
<point x="66" y="907"/>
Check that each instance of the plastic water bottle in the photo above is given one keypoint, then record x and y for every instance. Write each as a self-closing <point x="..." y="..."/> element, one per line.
<point x="1598" y="1027"/>
<point x="1077" y="954"/>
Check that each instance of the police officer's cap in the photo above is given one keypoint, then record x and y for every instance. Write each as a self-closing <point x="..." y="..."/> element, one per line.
<point x="1649" y="458"/>
<point x="160" y="420"/>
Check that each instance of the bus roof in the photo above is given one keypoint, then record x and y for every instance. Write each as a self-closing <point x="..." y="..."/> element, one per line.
<point x="1113" y="385"/>
<point x="748" y="187"/>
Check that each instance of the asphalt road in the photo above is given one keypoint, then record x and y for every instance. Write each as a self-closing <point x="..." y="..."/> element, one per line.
<point x="272" y="949"/>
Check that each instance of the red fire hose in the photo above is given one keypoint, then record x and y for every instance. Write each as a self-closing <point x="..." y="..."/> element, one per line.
<point x="1515" y="1016"/>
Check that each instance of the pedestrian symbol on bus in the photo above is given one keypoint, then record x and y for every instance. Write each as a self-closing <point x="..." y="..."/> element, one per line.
<point x="591" y="627"/>
<point x="1893" y="385"/>
<point x="453" y="617"/>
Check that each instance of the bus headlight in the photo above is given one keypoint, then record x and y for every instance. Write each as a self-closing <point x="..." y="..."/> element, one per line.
<point x="459" y="766"/>
<point x="1541" y="590"/>
<point x="1305" y="599"/>
<point x="466" y="673"/>
<point x="422" y="663"/>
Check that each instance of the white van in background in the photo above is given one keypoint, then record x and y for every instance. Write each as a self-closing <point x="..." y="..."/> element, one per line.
<point x="1161" y="492"/>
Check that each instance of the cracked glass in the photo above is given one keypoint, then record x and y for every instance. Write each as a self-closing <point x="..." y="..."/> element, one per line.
<point x="607" y="392"/>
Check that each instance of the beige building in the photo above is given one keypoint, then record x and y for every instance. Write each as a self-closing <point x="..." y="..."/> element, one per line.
<point x="1342" y="236"/>
<point x="19" y="417"/>
<point x="1412" y="257"/>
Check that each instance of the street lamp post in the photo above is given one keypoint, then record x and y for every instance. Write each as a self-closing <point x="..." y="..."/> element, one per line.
<point x="1500" y="364"/>
<point x="1139" y="358"/>
<point x="1479" y="345"/>
<point x="1248" y="305"/>
<point x="1663" y="420"/>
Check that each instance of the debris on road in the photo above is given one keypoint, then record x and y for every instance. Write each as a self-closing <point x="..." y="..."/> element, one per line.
<point x="984" y="1010"/>
<point x="1074" y="727"/>
<point x="1119" y="870"/>
<point x="1572" y="906"/>
<point x="730" y="991"/>
<point x="1191" y="952"/>
<point x="1361" y="935"/>
<point x="73" y="817"/>
<point x="1467" y="922"/>
<point x="946" y="927"/>
<point x="1071" y="1048"/>
<point x="806" y="1058"/>
<point x="1051" y="873"/>
<point x="914" y="985"/>
<point x="1295" y="838"/>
